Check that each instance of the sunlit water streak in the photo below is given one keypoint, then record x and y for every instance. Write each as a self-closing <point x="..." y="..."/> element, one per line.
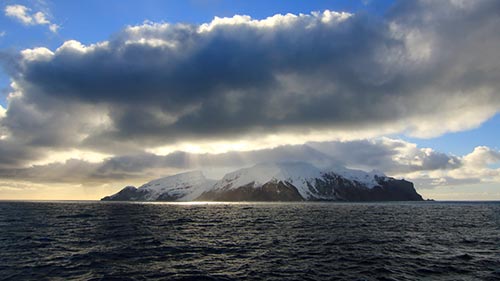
<point x="274" y="241"/>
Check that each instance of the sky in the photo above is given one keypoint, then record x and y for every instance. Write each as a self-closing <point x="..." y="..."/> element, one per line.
<point x="102" y="94"/>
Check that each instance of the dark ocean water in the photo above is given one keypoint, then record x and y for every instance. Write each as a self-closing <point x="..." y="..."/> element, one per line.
<point x="311" y="241"/>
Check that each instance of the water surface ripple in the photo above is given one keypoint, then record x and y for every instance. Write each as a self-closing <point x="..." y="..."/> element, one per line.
<point x="292" y="241"/>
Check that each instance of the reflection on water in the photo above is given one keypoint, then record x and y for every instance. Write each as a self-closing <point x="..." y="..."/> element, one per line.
<point x="201" y="240"/>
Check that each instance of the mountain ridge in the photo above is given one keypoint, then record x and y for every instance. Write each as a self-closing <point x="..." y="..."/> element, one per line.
<point x="274" y="181"/>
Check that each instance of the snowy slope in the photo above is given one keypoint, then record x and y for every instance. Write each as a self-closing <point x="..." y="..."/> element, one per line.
<point x="301" y="175"/>
<point x="185" y="186"/>
<point x="296" y="173"/>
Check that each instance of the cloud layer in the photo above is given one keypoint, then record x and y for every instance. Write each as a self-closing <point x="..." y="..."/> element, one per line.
<point x="426" y="167"/>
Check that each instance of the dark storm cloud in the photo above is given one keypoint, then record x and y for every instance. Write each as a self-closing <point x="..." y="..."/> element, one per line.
<point x="425" y="68"/>
<point x="15" y="154"/>
<point x="71" y="171"/>
<point x="215" y="83"/>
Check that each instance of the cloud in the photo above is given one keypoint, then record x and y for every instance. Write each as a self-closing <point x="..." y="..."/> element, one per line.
<point x="286" y="79"/>
<point x="390" y="155"/>
<point x="238" y="76"/>
<point x="148" y="165"/>
<point x="482" y="156"/>
<point x="475" y="167"/>
<point x="22" y="14"/>
<point x="425" y="167"/>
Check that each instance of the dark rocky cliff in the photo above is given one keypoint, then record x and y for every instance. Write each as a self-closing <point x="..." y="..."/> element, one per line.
<point x="271" y="191"/>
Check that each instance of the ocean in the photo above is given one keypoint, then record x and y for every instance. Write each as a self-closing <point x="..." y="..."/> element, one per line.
<point x="89" y="240"/>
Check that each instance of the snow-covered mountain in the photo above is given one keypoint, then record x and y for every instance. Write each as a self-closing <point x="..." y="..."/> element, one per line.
<point x="282" y="181"/>
<point x="298" y="174"/>
<point x="297" y="181"/>
<point x="181" y="187"/>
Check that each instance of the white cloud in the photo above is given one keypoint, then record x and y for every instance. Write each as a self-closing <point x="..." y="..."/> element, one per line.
<point x="40" y="18"/>
<point x="24" y="15"/>
<point x="473" y="168"/>
<point x="20" y="13"/>
<point x="3" y="132"/>
<point x="2" y="111"/>
<point x="53" y="27"/>
<point x="37" y="54"/>
<point x="482" y="156"/>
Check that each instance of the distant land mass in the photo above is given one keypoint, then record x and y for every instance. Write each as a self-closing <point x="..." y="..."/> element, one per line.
<point x="284" y="181"/>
